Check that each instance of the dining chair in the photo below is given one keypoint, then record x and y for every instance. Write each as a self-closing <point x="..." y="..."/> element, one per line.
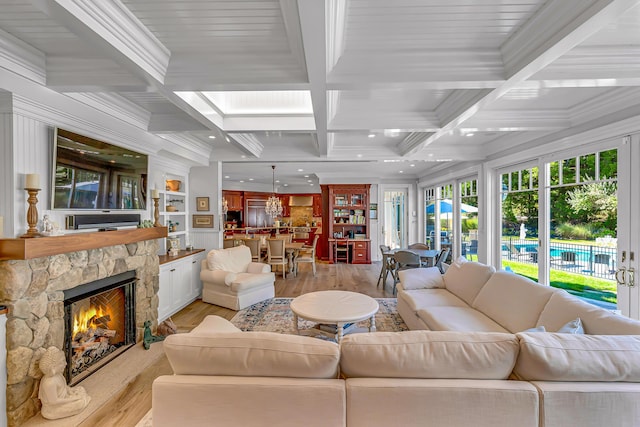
<point x="254" y="245"/>
<point x="442" y="257"/>
<point x="307" y="254"/>
<point x="404" y="260"/>
<point x="388" y="264"/>
<point x="341" y="250"/>
<point x="276" y="255"/>
<point x="286" y="237"/>
<point x="419" y="246"/>
<point x="228" y="243"/>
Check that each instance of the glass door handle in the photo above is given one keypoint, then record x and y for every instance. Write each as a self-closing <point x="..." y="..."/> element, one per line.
<point x="622" y="281"/>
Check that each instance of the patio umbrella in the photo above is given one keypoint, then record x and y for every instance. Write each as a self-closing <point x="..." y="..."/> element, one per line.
<point x="446" y="206"/>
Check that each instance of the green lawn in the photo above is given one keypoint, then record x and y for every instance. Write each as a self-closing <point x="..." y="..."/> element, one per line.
<point x="576" y="284"/>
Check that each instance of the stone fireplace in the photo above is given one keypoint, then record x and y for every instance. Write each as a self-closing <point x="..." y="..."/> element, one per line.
<point x="35" y="290"/>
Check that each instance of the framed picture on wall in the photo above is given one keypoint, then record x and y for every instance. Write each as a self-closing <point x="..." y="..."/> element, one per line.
<point x="202" y="203"/>
<point x="202" y="221"/>
<point x="373" y="211"/>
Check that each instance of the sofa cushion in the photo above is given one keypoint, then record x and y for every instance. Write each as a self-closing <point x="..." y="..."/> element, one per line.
<point x="563" y="307"/>
<point x="513" y="301"/>
<point x="212" y="324"/>
<point x="458" y="319"/>
<point x="569" y="357"/>
<point x="246" y="281"/>
<point x="248" y="354"/>
<point x="234" y="259"/>
<point x="421" y="278"/>
<point x="429" y="354"/>
<point x="467" y="278"/>
<point x="421" y="298"/>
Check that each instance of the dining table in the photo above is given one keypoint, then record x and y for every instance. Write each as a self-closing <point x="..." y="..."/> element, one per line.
<point x="427" y="256"/>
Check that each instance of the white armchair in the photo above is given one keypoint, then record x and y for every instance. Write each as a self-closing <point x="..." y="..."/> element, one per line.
<point x="230" y="279"/>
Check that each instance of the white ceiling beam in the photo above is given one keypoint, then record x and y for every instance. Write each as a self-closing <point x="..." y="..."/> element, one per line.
<point x="537" y="50"/>
<point x="110" y="26"/>
<point x="313" y="20"/>
<point x="116" y="106"/>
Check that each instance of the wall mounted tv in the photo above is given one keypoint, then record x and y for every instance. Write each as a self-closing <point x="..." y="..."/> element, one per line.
<point x="95" y="175"/>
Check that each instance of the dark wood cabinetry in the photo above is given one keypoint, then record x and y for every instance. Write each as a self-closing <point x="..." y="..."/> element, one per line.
<point x="346" y="217"/>
<point x="235" y="200"/>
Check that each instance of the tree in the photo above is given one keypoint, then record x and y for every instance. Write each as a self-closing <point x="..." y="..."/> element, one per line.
<point x="598" y="201"/>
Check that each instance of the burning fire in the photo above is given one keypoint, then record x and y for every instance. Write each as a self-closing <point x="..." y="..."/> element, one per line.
<point x="83" y="321"/>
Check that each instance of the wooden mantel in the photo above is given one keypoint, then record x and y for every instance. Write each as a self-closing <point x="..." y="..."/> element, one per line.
<point x="11" y="249"/>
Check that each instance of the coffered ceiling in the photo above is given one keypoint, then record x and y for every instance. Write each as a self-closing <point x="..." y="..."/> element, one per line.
<point x="368" y="90"/>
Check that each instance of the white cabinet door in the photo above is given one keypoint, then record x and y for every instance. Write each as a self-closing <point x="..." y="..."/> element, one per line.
<point x="196" y="283"/>
<point x="165" y="291"/>
<point x="181" y="284"/>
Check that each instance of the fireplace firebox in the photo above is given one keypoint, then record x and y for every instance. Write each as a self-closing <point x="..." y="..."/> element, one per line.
<point x="99" y="323"/>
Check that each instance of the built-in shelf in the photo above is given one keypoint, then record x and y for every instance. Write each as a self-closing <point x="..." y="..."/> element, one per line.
<point x="13" y="249"/>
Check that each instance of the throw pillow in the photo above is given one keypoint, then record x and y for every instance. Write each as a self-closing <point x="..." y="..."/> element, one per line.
<point x="536" y="329"/>
<point x="573" y="327"/>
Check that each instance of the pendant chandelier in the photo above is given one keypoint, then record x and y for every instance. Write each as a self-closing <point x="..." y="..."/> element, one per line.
<point x="274" y="205"/>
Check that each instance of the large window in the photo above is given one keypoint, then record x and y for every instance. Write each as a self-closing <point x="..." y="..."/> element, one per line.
<point x="468" y="194"/>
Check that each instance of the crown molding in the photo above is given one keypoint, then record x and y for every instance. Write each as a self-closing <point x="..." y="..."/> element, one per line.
<point x="116" y="106"/>
<point x="21" y="58"/>
<point x="617" y="99"/>
<point x="248" y="143"/>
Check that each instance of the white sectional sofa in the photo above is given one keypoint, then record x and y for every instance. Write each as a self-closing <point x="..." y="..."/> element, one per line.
<point x="474" y="297"/>
<point x="467" y="363"/>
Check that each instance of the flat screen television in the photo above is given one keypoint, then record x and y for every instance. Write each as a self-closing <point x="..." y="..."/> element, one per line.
<point x="94" y="175"/>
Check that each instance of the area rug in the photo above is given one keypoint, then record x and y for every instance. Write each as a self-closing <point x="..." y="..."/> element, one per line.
<point x="274" y="315"/>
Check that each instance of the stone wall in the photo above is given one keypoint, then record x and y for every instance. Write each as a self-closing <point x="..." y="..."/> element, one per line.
<point x="33" y="291"/>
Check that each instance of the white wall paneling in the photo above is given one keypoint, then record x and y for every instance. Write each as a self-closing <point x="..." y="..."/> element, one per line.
<point x="206" y="182"/>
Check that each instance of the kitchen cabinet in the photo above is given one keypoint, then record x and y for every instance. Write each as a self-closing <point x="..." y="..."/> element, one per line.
<point x="235" y="200"/>
<point x="317" y="205"/>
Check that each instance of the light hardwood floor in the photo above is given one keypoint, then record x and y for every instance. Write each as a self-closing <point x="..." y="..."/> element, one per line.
<point x="126" y="409"/>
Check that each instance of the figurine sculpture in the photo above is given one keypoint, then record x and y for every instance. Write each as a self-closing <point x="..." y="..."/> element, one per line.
<point x="148" y="338"/>
<point x="58" y="399"/>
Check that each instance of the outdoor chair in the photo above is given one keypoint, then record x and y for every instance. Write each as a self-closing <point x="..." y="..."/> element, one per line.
<point x="568" y="257"/>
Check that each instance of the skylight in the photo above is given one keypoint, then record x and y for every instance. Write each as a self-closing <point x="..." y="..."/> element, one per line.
<point x="264" y="102"/>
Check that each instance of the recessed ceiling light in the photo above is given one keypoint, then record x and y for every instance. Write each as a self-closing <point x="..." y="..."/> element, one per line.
<point x="243" y="157"/>
<point x="372" y="135"/>
<point x="226" y="177"/>
<point x="400" y="171"/>
<point x="300" y="170"/>
<point x="311" y="185"/>
<point x="358" y="155"/>
<point x="412" y="165"/>
<point x="309" y="180"/>
<point x="277" y="180"/>
<point x="306" y="176"/>
<point x="250" y="179"/>
<point x="241" y="181"/>
<point x="286" y="185"/>
<point x="470" y="134"/>
<point x="212" y="137"/>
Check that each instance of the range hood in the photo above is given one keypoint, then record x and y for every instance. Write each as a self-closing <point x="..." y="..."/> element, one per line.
<point x="301" y="201"/>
